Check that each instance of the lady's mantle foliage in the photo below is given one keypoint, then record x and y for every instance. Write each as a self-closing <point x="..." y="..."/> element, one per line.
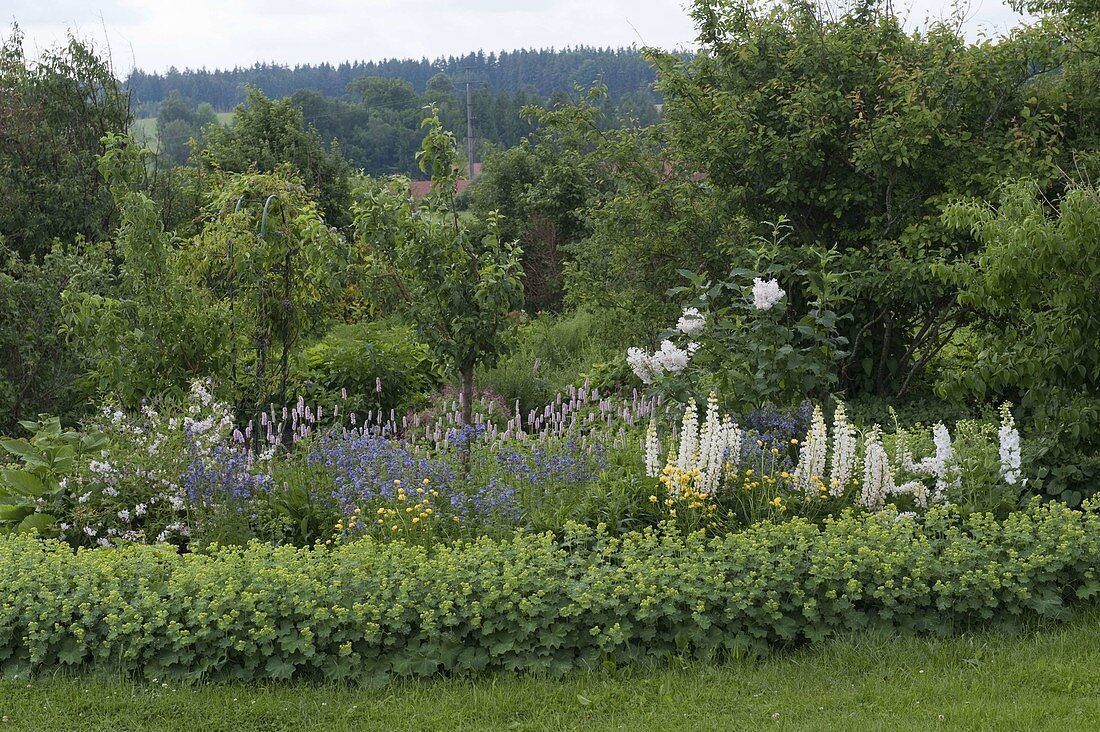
<point x="371" y="610"/>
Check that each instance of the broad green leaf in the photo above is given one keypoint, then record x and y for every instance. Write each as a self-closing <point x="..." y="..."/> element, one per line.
<point x="23" y="483"/>
<point x="36" y="522"/>
<point x="26" y="451"/>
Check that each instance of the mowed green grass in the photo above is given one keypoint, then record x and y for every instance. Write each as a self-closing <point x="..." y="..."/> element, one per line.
<point x="145" y="129"/>
<point x="1043" y="679"/>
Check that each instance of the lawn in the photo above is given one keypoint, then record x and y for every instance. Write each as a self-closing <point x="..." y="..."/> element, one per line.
<point x="1047" y="678"/>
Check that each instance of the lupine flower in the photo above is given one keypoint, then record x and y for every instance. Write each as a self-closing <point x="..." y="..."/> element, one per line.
<point x="1009" y="439"/>
<point x="765" y="294"/>
<point x="812" y="455"/>
<point x="652" y="450"/>
<point x="843" y="467"/>
<point x="878" y="478"/>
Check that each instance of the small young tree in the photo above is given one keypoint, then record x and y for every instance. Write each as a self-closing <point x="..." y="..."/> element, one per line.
<point x="458" y="287"/>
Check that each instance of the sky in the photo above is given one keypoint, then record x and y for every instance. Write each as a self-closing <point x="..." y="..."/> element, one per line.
<point x="155" y="34"/>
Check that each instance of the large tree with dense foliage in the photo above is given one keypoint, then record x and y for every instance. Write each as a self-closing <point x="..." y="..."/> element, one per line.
<point x="54" y="114"/>
<point x="268" y="133"/>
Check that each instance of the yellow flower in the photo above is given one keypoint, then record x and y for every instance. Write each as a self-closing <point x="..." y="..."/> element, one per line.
<point x="416" y="519"/>
<point x="426" y="482"/>
<point x="794" y="441"/>
<point x="339" y="525"/>
<point x="396" y="482"/>
<point x="393" y="528"/>
<point x="653" y="499"/>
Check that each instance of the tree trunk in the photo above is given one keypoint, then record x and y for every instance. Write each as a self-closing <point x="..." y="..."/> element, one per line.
<point x="467" y="395"/>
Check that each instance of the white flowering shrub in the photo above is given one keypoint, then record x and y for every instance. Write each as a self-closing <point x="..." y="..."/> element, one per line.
<point x="741" y="338"/>
<point x="161" y="473"/>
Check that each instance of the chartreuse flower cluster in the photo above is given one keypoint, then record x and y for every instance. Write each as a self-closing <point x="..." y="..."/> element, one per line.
<point x="370" y="610"/>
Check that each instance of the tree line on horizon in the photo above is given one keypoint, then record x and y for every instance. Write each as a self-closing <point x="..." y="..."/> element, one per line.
<point x="540" y="72"/>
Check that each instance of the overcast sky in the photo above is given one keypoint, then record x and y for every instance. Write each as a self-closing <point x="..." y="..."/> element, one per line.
<point x="155" y="34"/>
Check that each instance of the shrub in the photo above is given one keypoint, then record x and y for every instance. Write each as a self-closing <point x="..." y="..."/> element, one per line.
<point x="356" y="359"/>
<point x="370" y="610"/>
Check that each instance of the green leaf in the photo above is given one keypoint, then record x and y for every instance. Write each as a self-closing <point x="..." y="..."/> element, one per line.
<point x="39" y="522"/>
<point x="23" y="483"/>
<point x="27" y="452"/>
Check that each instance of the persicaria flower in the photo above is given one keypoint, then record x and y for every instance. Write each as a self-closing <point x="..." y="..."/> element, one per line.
<point x="765" y="294"/>
<point x="691" y="322"/>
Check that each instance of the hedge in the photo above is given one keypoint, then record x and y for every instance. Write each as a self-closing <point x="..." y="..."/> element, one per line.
<point x="539" y="603"/>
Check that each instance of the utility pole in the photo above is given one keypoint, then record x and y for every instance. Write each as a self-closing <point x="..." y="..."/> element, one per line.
<point x="470" y="126"/>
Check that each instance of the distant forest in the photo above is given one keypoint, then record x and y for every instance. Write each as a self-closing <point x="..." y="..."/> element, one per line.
<point x="541" y="72"/>
<point x="373" y="109"/>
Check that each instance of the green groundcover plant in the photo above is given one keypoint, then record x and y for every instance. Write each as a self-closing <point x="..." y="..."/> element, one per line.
<point x="544" y="603"/>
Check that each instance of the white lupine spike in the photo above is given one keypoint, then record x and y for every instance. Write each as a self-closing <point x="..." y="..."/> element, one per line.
<point x="946" y="467"/>
<point x="689" y="435"/>
<point x="878" y="477"/>
<point x="1009" y="439"/>
<point x="733" y="444"/>
<point x="843" y="467"/>
<point x="812" y="454"/>
<point x="652" y="451"/>
<point x="712" y="446"/>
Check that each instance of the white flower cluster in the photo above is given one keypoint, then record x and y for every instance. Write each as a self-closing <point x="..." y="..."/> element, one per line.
<point x="809" y="472"/>
<point x="1009" y="439"/>
<point x="766" y="293"/>
<point x="710" y="449"/>
<point x="652" y="449"/>
<point x="942" y="466"/>
<point x="844" y="452"/>
<point x="671" y="358"/>
<point x="878" y="478"/>
<point x="691" y="322"/>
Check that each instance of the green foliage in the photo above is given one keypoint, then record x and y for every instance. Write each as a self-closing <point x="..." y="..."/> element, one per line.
<point x="853" y="129"/>
<point x="1031" y="288"/>
<point x="121" y="331"/>
<point x="48" y="458"/>
<point x="267" y="134"/>
<point x="458" y="287"/>
<point x="548" y="354"/>
<point x="370" y="610"/>
<point x="356" y="359"/>
<point x="39" y="372"/>
<point x="277" y="278"/>
<point x="56" y="113"/>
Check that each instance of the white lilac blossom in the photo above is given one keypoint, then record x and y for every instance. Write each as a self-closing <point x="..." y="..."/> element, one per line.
<point x="652" y="450"/>
<point x="644" y="365"/>
<point x="691" y="322"/>
<point x="766" y="293"/>
<point x="671" y="357"/>
<point x="809" y="472"/>
<point x="844" y="452"/>
<point x="1009" y="439"/>
<point x="878" y="478"/>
